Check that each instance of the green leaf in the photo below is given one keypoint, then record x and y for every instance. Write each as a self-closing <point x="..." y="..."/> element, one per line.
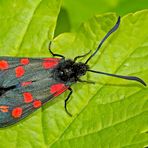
<point x="112" y="113"/>
<point x="27" y="26"/>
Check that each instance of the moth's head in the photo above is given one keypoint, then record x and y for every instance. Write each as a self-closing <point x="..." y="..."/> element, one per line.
<point x="80" y="69"/>
<point x="68" y="70"/>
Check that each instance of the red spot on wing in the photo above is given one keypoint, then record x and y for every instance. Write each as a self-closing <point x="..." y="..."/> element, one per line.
<point x="4" y="108"/>
<point x="50" y="62"/>
<point x="27" y="97"/>
<point x="17" y="112"/>
<point x="19" y="71"/>
<point x="26" y="83"/>
<point x="37" y="103"/>
<point x="4" y="65"/>
<point x="24" y="61"/>
<point x="58" y="89"/>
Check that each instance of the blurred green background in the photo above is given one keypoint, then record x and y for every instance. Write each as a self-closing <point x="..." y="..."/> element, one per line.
<point x="73" y="13"/>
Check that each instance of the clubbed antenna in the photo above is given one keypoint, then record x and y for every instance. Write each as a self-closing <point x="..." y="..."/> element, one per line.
<point x="133" y="78"/>
<point x="106" y="36"/>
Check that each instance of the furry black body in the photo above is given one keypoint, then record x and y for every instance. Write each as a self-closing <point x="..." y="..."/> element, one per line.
<point x="70" y="71"/>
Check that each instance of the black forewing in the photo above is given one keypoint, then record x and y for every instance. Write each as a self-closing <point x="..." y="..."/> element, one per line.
<point x="41" y="79"/>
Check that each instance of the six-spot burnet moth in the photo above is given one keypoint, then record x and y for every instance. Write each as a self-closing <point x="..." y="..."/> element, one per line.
<point x="28" y="83"/>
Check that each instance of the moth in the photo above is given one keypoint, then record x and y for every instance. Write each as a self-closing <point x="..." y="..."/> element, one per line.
<point x="26" y="84"/>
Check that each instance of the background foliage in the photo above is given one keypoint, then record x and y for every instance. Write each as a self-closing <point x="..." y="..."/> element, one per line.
<point x="73" y="13"/>
<point x="115" y="113"/>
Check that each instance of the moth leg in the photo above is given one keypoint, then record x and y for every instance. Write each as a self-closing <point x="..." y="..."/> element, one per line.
<point x="84" y="81"/>
<point x="66" y="100"/>
<point x="53" y="54"/>
<point x="81" y="56"/>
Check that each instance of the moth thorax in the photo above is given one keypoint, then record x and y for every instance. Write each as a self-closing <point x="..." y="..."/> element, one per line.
<point x="69" y="71"/>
